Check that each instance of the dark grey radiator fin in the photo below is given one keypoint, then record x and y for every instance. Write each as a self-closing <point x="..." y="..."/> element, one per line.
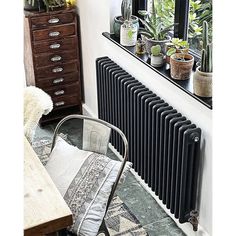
<point x="164" y="146"/>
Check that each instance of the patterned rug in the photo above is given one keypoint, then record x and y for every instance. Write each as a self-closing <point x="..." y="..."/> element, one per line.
<point x="119" y="219"/>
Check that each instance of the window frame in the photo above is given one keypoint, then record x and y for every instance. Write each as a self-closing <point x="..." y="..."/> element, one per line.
<point x="138" y="5"/>
<point x="181" y="19"/>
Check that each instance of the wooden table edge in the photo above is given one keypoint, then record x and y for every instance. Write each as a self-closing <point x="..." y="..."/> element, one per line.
<point x="43" y="229"/>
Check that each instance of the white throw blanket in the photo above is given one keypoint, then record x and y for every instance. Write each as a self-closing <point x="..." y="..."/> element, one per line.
<point x="36" y="104"/>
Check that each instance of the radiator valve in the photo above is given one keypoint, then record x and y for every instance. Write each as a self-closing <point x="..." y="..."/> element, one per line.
<point x="193" y="219"/>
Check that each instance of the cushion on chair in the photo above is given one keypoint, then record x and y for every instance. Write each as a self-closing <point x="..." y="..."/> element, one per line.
<point x="95" y="137"/>
<point x="85" y="181"/>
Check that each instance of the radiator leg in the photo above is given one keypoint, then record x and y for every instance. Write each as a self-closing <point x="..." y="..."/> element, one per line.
<point x="193" y="219"/>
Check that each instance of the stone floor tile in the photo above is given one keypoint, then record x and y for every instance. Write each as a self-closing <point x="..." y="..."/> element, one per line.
<point x="163" y="227"/>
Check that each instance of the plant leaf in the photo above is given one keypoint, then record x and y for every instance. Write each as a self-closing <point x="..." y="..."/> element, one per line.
<point x="148" y="26"/>
<point x="171" y="51"/>
<point x="146" y="33"/>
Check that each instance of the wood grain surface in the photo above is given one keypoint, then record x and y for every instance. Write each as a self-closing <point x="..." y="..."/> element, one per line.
<point x="45" y="210"/>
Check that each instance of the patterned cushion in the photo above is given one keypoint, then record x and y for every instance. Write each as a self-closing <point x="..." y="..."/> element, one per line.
<point x="85" y="180"/>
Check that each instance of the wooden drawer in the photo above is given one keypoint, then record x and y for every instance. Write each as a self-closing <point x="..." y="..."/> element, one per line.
<point x="50" y="20"/>
<point x="65" y="101"/>
<point x="46" y="59"/>
<point x="58" y="80"/>
<point x="54" y="32"/>
<point x="56" y="70"/>
<point x="55" y="45"/>
<point x="64" y="90"/>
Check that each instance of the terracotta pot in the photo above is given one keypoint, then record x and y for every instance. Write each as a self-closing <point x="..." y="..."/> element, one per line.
<point x="157" y="61"/>
<point x="118" y="21"/>
<point x="181" y="70"/>
<point x="153" y="42"/>
<point x="202" y="83"/>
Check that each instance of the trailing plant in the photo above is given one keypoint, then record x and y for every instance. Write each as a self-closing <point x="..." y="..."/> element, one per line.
<point x="180" y="45"/>
<point x="206" y="55"/>
<point x="156" y="50"/>
<point x="154" y="28"/>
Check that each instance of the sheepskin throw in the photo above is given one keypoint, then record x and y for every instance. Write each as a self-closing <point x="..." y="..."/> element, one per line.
<point x="36" y="104"/>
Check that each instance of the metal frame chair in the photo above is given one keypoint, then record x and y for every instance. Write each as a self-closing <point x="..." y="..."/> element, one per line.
<point x="103" y="228"/>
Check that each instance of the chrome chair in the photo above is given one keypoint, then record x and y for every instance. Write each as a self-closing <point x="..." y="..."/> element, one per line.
<point x="103" y="141"/>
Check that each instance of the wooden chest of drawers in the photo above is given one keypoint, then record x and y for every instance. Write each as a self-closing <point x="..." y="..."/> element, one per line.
<point x="51" y="58"/>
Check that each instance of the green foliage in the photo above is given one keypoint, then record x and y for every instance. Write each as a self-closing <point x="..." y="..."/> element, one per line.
<point x="153" y="27"/>
<point x="171" y="51"/>
<point x="49" y="3"/>
<point x="156" y="50"/>
<point x="179" y="44"/>
<point x="199" y="10"/>
<point x="165" y="10"/>
<point x="206" y="55"/>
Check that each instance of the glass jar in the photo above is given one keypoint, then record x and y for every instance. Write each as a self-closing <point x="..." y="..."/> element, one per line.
<point x="140" y="47"/>
<point x="128" y="34"/>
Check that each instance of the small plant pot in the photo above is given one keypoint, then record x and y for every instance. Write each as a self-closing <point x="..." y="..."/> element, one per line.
<point x="179" y="69"/>
<point x="153" y="42"/>
<point x="157" y="61"/>
<point x="128" y="35"/>
<point x="118" y="21"/>
<point x="140" y="48"/>
<point x="202" y="83"/>
<point x="171" y="45"/>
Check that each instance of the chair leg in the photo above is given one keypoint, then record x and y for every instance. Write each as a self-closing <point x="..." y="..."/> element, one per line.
<point x="103" y="229"/>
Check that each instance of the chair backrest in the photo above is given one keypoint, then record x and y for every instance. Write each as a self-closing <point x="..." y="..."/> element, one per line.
<point x="96" y="136"/>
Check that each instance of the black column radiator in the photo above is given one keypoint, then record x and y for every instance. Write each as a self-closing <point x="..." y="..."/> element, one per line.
<point x="163" y="144"/>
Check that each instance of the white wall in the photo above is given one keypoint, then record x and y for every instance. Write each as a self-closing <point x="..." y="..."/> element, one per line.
<point x="95" y="18"/>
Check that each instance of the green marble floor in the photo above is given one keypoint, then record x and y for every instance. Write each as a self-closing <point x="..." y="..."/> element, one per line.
<point x="151" y="216"/>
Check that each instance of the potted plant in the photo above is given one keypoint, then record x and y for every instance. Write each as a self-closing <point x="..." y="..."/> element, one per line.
<point x="128" y="31"/>
<point x="42" y="4"/>
<point x="140" y="47"/>
<point x="176" y="46"/>
<point x="54" y="4"/>
<point x="157" y="58"/>
<point x="33" y="5"/>
<point x="181" y="63"/>
<point x="154" y="31"/>
<point x="119" y="20"/>
<point x="202" y="78"/>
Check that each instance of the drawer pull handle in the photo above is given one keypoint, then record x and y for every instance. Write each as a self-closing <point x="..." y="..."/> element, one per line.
<point x="57" y="81"/>
<point x="57" y="104"/>
<point x="59" y="92"/>
<point x="57" y="70"/>
<point x="56" y="58"/>
<point x="55" y="45"/>
<point x="54" y="34"/>
<point x="53" y="21"/>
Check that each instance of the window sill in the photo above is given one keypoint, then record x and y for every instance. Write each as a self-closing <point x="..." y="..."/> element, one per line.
<point x="185" y="85"/>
